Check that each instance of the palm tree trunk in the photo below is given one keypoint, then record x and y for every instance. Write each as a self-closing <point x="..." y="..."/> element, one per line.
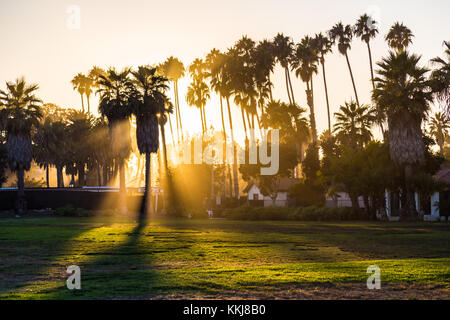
<point x="235" y="173"/>
<point x="312" y="117"/>
<point x="59" y="177"/>
<point x="99" y="176"/>
<point x="353" y="80"/>
<point x="224" y="133"/>
<point x="371" y="66"/>
<point x="290" y="84"/>
<point x="82" y="103"/>
<point x="408" y="211"/>
<point x="21" y="205"/>
<point x="287" y="85"/>
<point x="89" y="106"/>
<point x="47" y="176"/>
<point x="171" y="131"/>
<point x="326" y="96"/>
<point x="243" y="121"/>
<point x="146" y="208"/>
<point x="105" y="175"/>
<point x="179" y="110"/>
<point x="203" y="124"/>
<point x="270" y="88"/>
<point x="204" y="118"/>
<point x="122" y="187"/>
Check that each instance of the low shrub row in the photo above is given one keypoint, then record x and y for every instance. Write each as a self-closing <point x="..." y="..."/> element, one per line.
<point x="298" y="214"/>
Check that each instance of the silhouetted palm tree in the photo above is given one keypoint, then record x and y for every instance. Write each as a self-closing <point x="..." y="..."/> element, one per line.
<point x="282" y="48"/>
<point x="173" y="69"/>
<point x="197" y="95"/>
<point x="399" y="37"/>
<point x="353" y="124"/>
<point x="402" y="92"/>
<point x="343" y="35"/>
<point x="440" y="78"/>
<point x="322" y="45"/>
<point x="115" y="90"/>
<point x="304" y="61"/>
<point x="19" y="113"/>
<point x="439" y="128"/>
<point x="78" y="83"/>
<point x="149" y="100"/>
<point x="366" y="29"/>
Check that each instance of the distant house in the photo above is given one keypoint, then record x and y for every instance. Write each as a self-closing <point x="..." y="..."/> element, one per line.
<point x="342" y="199"/>
<point x="256" y="198"/>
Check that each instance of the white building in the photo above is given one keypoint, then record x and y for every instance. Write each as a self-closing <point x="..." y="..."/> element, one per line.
<point x="254" y="194"/>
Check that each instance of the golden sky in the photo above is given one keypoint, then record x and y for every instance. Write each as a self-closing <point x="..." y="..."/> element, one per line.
<point x="37" y="43"/>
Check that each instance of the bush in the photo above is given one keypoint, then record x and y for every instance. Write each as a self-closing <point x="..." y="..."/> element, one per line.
<point x="70" y="211"/>
<point x="310" y="213"/>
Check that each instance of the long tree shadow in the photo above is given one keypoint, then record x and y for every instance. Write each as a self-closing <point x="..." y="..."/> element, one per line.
<point x="26" y="254"/>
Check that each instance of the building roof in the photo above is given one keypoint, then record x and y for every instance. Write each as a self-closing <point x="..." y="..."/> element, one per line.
<point x="283" y="185"/>
<point x="443" y="176"/>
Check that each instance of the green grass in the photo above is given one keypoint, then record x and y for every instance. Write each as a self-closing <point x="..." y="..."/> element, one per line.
<point x="119" y="259"/>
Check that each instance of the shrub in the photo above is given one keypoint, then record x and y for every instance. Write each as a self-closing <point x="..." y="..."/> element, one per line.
<point x="310" y="213"/>
<point x="70" y="211"/>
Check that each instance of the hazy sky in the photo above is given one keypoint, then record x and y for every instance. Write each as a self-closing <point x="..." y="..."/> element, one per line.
<point x="37" y="43"/>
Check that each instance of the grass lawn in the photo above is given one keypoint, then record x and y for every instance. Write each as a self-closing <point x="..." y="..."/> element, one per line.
<point x="170" y="259"/>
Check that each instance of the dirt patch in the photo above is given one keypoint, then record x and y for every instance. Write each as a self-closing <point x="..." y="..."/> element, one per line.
<point x="321" y="292"/>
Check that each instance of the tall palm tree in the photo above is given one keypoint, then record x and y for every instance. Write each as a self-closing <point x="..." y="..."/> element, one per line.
<point x="304" y="62"/>
<point x="402" y="92"/>
<point x="343" y="35"/>
<point x="149" y="100"/>
<point x="88" y="85"/>
<point x="322" y="45"/>
<point x="115" y="90"/>
<point x="282" y="48"/>
<point x="78" y="83"/>
<point x="366" y="29"/>
<point x="353" y="124"/>
<point x="197" y="95"/>
<point x="198" y="73"/>
<point x="399" y="37"/>
<point x="264" y="60"/>
<point x="439" y="128"/>
<point x="173" y="69"/>
<point x="19" y="114"/>
<point x="440" y="78"/>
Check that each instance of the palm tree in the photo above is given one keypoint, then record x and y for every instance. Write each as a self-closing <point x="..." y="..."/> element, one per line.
<point x="78" y="83"/>
<point x="439" y="128"/>
<point x="197" y="95"/>
<point x="366" y="29"/>
<point x="88" y="85"/>
<point x="282" y="48"/>
<point x="403" y="94"/>
<point x="343" y="35"/>
<point x="353" y="124"/>
<point x="19" y="114"/>
<point x="440" y="78"/>
<point x="304" y="62"/>
<point x="399" y="37"/>
<point x="173" y="69"/>
<point x="198" y="74"/>
<point x="322" y="45"/>
<point x="264" y="60"/>
<point x="149" y="102"/>
<point x="115" y="90"/>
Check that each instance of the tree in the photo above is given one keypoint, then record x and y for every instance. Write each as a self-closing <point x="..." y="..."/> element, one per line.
<point x="439" y="129"/>
<point x="322" y="45"/>
<point x="344" y="34"/>
<point x="115" y="90"/>
<point x="19" y="114"/>
<point x="149" y="101"/>
<point x="282" y="48"/>
<point x="366" y="29"/>
<point x="304" y="61"/>
<point x="197" y="95"/>
<point x="440" y="78"/>
<point x="403" y="93"/>
<point x="173" y="69"/>
<point x="399" y="37"/>
<point x="353" y="124"/>
<point x="78" y="83"/>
